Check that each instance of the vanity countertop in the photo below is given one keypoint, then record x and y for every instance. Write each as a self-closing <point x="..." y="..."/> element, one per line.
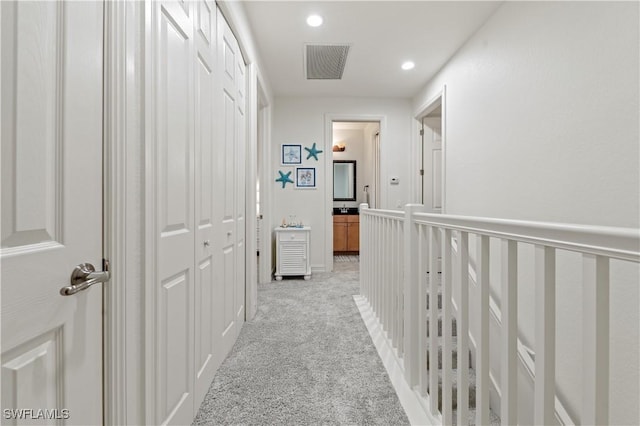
<point x="345" y="211"/>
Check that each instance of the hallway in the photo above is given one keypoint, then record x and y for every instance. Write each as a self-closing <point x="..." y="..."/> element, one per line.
<point x="306" y="358"/>
<point x="144" y="149"/>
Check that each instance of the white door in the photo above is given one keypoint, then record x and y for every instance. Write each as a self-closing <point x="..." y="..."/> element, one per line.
<point x="173" y="134"/>
<point x="206" y="363"/>
<point x="241" y="185"/>
<point x="432" y="164"/>
<point x="51" y="138"/>
<point x="229" y="221"/>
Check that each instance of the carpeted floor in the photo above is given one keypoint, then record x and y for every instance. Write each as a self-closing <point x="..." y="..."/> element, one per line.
<point x="306" y="358"/>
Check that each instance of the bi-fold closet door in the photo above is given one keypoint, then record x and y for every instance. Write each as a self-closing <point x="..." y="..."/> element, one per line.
<point x="196" y="203"/>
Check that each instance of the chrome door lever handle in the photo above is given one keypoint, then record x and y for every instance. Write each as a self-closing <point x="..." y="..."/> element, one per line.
<point x="84" y="276"/>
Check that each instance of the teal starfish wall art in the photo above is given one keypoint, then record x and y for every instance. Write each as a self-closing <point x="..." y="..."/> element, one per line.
<point x="284" y="178"/>
<point x="313" y="151"/>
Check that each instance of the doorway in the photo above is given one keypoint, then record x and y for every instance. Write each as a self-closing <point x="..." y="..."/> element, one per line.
<point x="431" y="129"/>
<point x="263" y="171"/>
<point x="353" y="179"/>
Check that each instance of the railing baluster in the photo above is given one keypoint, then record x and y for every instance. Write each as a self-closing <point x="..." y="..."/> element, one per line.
<point x="401" y="291"/>
<point x="433" y="318"/>
<point x="482" y="350"/>
<point x="423" y="253"/>
<point x="545" y="335"/>
<point x="389" y="300"/>
<point x="595" y="340"/>
<point x="392" y="285"/>
<point x="385" y="275"/>
<point x="447" y="366"/>
<point x="388" y="287"/>
<point x="383" y="244"/>
<point x="463" y="329"/>
<point x="509" y="313"/>
<point x="380" y="267"/>
<point x="396" y="281"/>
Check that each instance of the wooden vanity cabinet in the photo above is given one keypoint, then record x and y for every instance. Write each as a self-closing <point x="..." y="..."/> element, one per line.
<point x="346" y="233"/>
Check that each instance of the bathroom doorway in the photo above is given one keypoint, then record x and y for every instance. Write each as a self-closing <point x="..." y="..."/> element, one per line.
<point x="354" y="179"/>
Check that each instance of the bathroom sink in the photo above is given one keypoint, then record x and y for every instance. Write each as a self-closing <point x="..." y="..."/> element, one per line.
<point x="345" y="210"/>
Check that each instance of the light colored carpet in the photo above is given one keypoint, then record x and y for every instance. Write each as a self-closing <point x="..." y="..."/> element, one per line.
<point x="306" y="358"/>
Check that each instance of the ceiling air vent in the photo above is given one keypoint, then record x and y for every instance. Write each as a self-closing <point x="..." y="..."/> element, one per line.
<point x="325" y="61"/>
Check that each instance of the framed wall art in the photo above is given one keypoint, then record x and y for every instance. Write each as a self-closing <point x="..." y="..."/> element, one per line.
<point x="291" y="155"/>
<point x="306" y="177"/>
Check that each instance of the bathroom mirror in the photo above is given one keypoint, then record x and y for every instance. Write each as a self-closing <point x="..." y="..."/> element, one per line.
<point x="344" y="180"/>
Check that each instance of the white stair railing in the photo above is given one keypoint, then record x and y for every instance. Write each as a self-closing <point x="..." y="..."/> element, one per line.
<point x="382" y="281"/>
<point x="400" y="248"/>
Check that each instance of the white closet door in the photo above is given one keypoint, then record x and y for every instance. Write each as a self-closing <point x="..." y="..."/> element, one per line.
<point x="196" y="106"/>
<point x="51" y="133"/>
<point x="206" y="362"/>
<point x="229" y="233"/>
<point x="173" y="133"/>
<point x="241" y="185"/>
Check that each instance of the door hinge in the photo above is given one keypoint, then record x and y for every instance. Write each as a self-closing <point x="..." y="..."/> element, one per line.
<point x="421" y="132"/>
<point x="421" y="172"/>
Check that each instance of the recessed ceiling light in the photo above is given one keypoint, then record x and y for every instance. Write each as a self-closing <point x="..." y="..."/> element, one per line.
<point x="408" y="65"/>
<point x="314" y="20"/>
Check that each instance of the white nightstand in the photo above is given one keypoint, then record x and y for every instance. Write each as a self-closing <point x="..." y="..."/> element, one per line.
<point x="292" y="252"/>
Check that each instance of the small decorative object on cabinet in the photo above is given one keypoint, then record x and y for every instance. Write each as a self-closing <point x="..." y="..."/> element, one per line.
<point x="292" y="252"/>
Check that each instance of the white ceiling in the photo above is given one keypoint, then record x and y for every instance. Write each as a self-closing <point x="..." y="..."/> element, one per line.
<point x="382" y="35"/>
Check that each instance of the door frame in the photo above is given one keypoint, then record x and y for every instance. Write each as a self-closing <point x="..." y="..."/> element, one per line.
<point x="265" y="271"/>
<point x="328" y="190"/>
<point x="438" y="99"/>
<point x="123" y="121"/>
<point x="258" y="136"/>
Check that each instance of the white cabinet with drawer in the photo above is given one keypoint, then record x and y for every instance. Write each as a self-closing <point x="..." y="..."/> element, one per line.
<point x="292" y="252"/>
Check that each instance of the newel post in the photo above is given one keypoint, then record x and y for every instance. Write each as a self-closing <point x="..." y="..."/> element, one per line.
<point x="411" y="299"/>
<point x="365" y="263"/>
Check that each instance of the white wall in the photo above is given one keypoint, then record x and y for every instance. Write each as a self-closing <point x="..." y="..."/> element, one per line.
<point x="370" y="158"/>
<point x="302" y="121"/>
<point x="542" y="124"/>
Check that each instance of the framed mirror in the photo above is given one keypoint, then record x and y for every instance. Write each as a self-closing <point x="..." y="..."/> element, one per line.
<point x="344" y="180"/>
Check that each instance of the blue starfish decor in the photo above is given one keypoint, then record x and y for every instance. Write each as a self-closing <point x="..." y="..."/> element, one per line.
<point x="284" y="178"/>
<point x="313" y="151"/>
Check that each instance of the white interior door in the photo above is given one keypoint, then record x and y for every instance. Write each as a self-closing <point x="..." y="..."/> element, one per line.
<point x="229" y="221"/>
<point x="51" y="188"/>
<point x="173" y="325"/>
<point x="432" y="163"/>
<point x="205" y="74"/>
<point x="240" y="190"/>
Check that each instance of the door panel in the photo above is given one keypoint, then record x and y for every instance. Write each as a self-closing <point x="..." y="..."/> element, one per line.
<point x="240" y="182"/>
<point x="174" y="325"/>
<point x="339" y="237"/>
<point x="229" y="187"/>
<point x="353" y="233"/>
<point x="432" y="163"/>
<point x="174" y="351"/>
<point x="51" y="191"/>
<point x="206" y="363"/>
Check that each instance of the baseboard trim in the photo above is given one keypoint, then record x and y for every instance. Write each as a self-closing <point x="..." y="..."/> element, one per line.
<point x="415" y="406"/>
